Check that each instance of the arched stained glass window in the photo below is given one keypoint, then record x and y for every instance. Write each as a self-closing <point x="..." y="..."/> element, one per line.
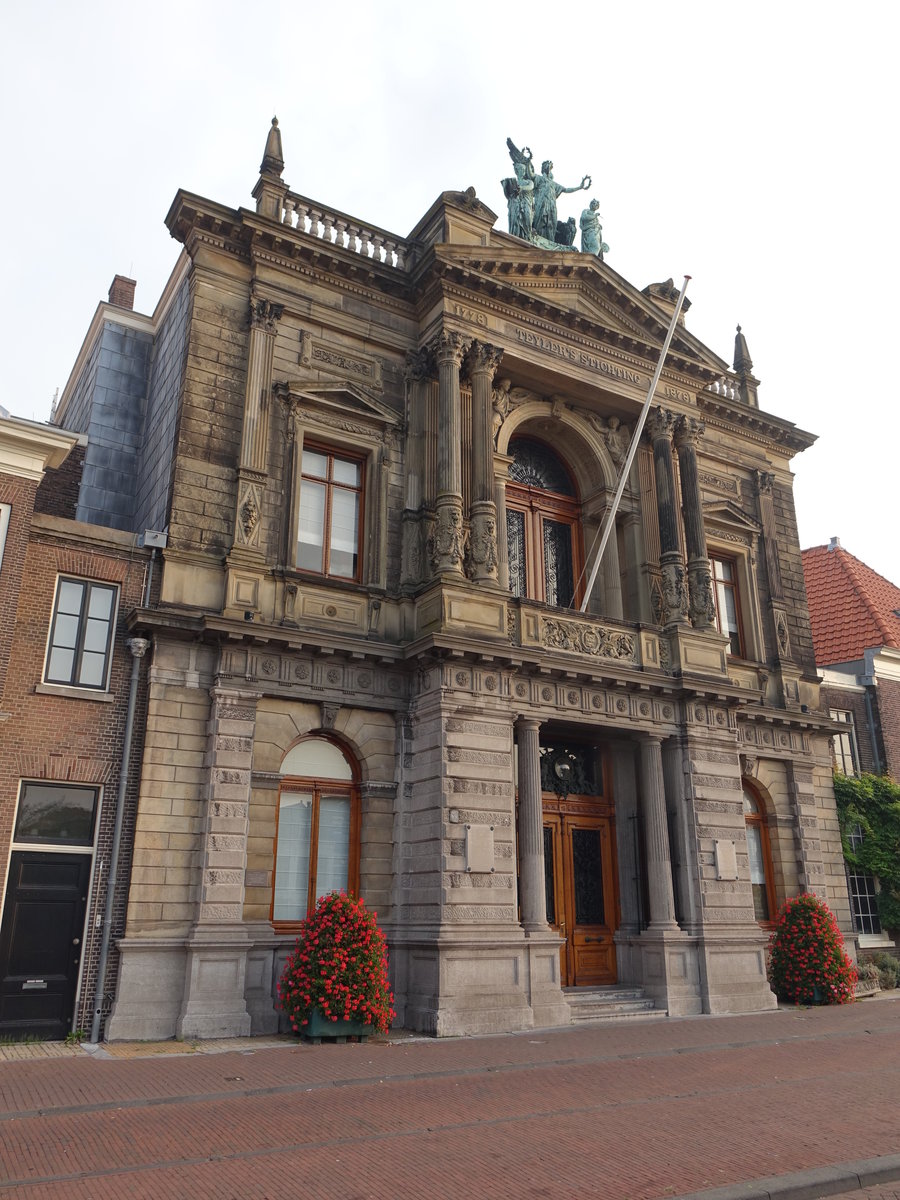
<point x="542" y="525"/>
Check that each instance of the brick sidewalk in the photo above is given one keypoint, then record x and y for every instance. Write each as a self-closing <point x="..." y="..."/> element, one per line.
<point x="626" y="1112"/>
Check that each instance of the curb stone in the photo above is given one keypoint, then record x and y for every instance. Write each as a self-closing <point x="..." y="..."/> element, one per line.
<point x="812" y="1184"/>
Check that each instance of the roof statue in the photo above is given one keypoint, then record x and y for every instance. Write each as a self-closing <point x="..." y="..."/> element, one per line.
<point x="531" y="198"/>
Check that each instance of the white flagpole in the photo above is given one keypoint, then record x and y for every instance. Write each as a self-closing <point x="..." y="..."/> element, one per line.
<point x="632" y="450"/>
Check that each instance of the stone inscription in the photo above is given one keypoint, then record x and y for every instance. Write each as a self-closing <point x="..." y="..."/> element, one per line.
<point x="482" y="787"/>
<point x="579" y="357"/>
<point x="469" y="314"/>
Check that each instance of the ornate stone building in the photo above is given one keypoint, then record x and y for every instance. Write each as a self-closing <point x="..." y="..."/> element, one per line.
<point x="382" y="463"/>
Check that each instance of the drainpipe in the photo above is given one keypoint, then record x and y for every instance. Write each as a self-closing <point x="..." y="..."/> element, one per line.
<point x="138" y="647"/>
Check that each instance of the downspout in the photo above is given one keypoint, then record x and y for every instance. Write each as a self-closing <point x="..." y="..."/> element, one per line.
<point x="138" y="647"/>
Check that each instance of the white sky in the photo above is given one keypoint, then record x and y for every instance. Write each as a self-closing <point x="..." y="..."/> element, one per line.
<point x="751" y="146"/>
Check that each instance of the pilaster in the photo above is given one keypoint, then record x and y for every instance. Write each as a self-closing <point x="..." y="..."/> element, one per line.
<point x="688" y="432"/>
<point x="447" y="540"/>
<point x="482" y="363"/>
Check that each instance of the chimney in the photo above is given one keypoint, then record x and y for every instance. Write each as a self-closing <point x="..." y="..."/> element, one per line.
<point x="834" y="544"/>
<point x="121" y="292"/>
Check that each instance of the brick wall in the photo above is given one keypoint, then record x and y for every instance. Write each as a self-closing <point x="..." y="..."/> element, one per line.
<point x="55" y="737"/>
<point x="57" y="494"/>
<point x="855" y="703"/>
<point x="888" y="705"/>
<point x="19" y="494"/>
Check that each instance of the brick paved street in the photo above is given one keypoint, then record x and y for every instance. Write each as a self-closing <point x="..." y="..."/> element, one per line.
<point x="632" y="1111"/>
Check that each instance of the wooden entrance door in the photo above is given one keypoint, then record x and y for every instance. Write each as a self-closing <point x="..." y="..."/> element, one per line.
<point x="582" y="896"/>
<point x="41" y="942"/>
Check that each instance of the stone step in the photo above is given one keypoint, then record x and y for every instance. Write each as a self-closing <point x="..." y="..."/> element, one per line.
<point x="611" y="1004"/>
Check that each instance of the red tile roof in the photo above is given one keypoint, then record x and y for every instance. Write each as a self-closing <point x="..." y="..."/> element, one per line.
<point x="852" y="607"/>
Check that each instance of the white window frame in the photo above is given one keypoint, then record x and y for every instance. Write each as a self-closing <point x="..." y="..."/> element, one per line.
<point x="5" y="510"/>
<point x="844" y="717"/>
<point x="74" y="687"/>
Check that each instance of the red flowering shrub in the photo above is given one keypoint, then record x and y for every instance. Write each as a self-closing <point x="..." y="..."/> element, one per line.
<point x="339" y="966"/>
<point x="807" y="960"/>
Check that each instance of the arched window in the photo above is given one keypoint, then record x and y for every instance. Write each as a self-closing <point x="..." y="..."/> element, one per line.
<point x="542" y="524"/>
<point x="317" y="834"/>
<point x="761" y="878"/>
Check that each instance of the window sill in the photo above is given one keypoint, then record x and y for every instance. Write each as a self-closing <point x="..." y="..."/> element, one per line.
<point x="874" y="941"/>
<point x="73" y="693"/>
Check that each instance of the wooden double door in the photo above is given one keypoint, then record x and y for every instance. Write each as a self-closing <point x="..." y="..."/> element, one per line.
<point x="581" y="877"/>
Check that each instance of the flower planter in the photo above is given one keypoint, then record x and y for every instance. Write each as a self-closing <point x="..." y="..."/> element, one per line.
<point x="319" y="1029"/>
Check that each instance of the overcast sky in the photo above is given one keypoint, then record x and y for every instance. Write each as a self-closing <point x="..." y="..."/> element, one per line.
<point x="752" y="146"/>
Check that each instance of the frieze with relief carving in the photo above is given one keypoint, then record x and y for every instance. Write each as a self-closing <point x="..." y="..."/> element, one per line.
<point x="582" y="638"/>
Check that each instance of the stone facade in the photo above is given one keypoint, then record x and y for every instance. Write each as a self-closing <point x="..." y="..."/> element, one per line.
<point x="444" y="659"/>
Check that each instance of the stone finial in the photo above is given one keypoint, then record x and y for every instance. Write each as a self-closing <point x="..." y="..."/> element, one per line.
<point x="743" y="363"/>
<point x="273" y="158"/>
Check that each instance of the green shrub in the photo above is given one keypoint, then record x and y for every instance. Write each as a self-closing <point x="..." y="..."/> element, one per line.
<point x="888" y="968"/>
<point x="872" y="802"/>
<point x="807" y="960"/>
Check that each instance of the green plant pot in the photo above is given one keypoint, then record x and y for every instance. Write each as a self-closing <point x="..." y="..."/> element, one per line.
<point x="319" y="1028"/>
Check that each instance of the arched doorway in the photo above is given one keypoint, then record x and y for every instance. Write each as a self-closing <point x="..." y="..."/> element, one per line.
<point x="543" y="524"/>
<point x="580" y="866"/>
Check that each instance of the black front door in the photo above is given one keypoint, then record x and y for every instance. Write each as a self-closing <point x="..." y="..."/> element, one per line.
<point x="41" y="942"/>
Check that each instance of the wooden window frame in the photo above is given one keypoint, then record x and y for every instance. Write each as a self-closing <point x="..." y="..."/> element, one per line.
<point x="844" y="717"/>
<point x="760" y="821"/>
<point x="716" y="556"/>
<point x="332" y="452"/>
<point x="299" y="783"/>
<point x="536" y="504"/>
<point x="88" y="585"/>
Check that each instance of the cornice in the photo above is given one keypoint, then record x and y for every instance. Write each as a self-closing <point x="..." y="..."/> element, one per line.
<point x="753" y="423"/>
<point x="28" y="448"/>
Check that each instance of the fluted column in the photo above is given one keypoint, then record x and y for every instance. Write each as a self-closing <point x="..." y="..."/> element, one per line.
<point x="447" y="541"/>
<point x="656" y="834"/>
<point x="688" y="432"/>
<point x="483" y="361"/>
<point x="661" y="425"/>
<point x="531" y="827"/>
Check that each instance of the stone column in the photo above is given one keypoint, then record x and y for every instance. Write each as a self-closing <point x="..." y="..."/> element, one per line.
<point x="483" y="362"/>
<point x="638" y="597"/>
<point x="264" y="318"/>
<point x="214" y="1004"/>
<point x="447" y="540"/>
<point x="612" y="579"/>
<point x="531" y="828"/>
<point x="656" y="835"/>
<point x="660" y="426"/>
<point x="688" y="432"/>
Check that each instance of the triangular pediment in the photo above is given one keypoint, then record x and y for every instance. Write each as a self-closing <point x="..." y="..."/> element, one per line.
<point x="574" y="289"/>
<point x="350" y="399"/>
<point x="727" y="514"/>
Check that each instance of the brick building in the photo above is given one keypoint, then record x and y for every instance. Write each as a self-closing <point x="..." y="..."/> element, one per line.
<point x="855" y="616"/>
<point x="380" y="463"/>
<point x="64" y="685"/>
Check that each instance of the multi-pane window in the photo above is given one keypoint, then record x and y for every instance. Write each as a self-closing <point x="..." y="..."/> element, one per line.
<point x="760" y="857"/>
<point x="727" y="602"/>
<point x="843" y="744"/>
<point x="81" y="634"/>
<point x="329" y="527"/>
<point x="863" y="892"/>
<point x="317" y="843"/>
<point x="542" y="525"/>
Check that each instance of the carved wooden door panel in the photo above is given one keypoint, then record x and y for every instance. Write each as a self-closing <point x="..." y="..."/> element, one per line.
<point x="582" y="901"/>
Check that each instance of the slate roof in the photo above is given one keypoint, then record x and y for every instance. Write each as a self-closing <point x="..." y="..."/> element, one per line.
<point x="852" y="608"/>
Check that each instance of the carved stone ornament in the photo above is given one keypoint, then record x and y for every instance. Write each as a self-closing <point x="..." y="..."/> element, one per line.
<point x="689" y="431"/>
<point x="484" y="358"/>
<point x="582" y="638"/>
<point x="265" y="315"/>
<point x="781" y="632"/>
<point x="701" y="607"/>
<point x="764" y="482"/>
<point x="482" y="549"/>
<point x="420" y="365"/>
<point x="657" y="601"/>
<point x="290" y="601"/>
<point x="249" y="517"/>
<point x="674" y="591"/>
<point x="749" y="765"/>
<point x="660" y="424"/>
<point x="449" y="346"/>
<point x="329" y="715"/>
<point x="446" y="543"/>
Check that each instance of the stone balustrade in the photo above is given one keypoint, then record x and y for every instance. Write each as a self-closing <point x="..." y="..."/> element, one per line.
<point x="308" y="216"/>
<point x="723" y="386"/>
<point x="570" y="632"/>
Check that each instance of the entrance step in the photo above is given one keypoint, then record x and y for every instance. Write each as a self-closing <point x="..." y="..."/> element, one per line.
<point x="611" y="1004"/>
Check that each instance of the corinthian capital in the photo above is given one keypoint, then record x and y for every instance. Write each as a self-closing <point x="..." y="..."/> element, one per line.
<point x="420" y="365"/>
<point x="483" y="359"/>
<point x="689" y="431"/>
<point x="660" y="424"/>
<point x="265" y="315"/>
<point x="450" y="347"/>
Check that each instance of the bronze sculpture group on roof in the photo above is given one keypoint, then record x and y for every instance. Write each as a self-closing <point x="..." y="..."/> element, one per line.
<point x="531" y="200"/>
